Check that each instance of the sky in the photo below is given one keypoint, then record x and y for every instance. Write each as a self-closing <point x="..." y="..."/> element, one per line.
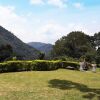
<point x="48" y="20"/>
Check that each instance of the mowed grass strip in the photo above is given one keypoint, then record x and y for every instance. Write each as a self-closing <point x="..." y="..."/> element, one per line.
<point x="60" y="84"/>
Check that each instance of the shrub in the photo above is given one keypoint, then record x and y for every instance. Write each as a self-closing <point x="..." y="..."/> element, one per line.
<point x="36" y="65"/>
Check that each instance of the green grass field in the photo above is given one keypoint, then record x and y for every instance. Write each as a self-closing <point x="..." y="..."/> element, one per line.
<point x="60" y="84"/>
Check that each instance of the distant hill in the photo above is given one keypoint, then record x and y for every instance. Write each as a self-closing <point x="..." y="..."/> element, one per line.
<point x="43" y="47"/>
<point x="19" y="47"/>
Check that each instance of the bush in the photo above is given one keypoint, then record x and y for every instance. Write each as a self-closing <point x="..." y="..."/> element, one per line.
<point x="36" y="65"/>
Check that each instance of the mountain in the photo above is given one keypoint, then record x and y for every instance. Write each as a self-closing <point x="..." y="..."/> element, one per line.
<point x="19" y="48"/>
<point x="43" y="47"/>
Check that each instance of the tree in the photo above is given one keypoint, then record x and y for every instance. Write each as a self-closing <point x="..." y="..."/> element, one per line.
<point x="42" y="56"/>
<point x="5" y="52"/>
<point x="98" y="56"/>
<point x="58" y="48"/>
<point x="97" y="39"/>
<point x="75" y="44"/>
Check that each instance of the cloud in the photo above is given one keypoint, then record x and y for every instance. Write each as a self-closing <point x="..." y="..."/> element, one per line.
<point x="36" y="2"/>
<point x="13" y="22"/>
<point x="78" y="27"/>
<point x="78" y="5"/>
<point x="50" y="32"/>
<point x="30" y="28"/>
<point x="56" y="3"/>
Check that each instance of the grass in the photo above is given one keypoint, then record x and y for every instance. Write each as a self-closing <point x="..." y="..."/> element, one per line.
<point x="61" y="84"/>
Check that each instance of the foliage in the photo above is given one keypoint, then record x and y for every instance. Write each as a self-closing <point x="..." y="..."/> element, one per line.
<point x="38" y="65"/>
<point x="5" y="52"/>
<point x="90" y="56"/>
<point x="20" y="48"/>
<point x="75" y="44"/>
<point x="41" y="56"/>
<point x="98" y="56"/>
<point x="97" y="39"/>
<point x="66" y="58"/>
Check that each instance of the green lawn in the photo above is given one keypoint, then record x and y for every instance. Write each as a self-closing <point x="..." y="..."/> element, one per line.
<point x="61" y="84"/>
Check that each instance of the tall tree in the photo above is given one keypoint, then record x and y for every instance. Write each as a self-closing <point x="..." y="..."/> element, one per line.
<point x="97" y="39"/>
<point x="98" y="56"/>
<point x="75" y="44"/>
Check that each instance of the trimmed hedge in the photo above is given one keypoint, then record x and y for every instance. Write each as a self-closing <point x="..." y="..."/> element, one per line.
<point x="36" y="65"/>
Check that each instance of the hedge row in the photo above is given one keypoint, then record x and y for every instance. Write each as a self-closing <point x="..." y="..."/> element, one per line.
<point x="36" y="65"/>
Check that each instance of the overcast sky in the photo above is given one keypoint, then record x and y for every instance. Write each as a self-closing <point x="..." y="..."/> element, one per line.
<point x="48" y="20"/>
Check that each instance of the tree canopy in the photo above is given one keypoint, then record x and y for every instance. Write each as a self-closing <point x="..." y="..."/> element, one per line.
<point x="75" y="44"/>
<point x="97" y="39"/>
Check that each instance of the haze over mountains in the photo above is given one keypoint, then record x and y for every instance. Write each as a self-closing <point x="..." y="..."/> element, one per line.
<point x="19" y="47"/>
<point x="43" y="47"/>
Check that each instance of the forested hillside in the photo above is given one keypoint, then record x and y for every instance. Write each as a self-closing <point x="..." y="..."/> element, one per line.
<point x="19" y="48"/>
